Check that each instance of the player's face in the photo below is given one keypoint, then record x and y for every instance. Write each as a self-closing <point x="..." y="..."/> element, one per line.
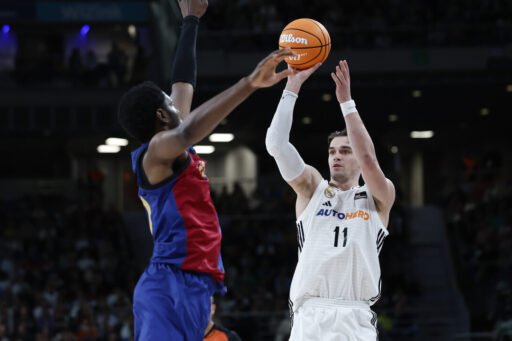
<point x="171" y="111"/>
<point x="342" y="162"/>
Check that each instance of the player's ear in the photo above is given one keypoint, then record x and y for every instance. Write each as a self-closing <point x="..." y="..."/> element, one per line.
<point x="162" y="115"/>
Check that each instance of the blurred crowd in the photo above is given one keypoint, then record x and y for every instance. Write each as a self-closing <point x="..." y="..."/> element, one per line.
<point x="253" y="25"/>
<point x="66" y="272"/>
<point x="479" y="220"/>
<point x="369" y="24"/>
<point x="38" y="63"/>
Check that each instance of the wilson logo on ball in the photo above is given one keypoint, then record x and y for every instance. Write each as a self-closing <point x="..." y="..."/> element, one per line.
<point x="290" y="38"/>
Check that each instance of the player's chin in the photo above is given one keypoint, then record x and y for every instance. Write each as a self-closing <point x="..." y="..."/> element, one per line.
<point x="336" y="172"/>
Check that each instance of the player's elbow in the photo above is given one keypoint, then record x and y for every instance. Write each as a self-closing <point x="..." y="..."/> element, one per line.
<point x="272" y="149"/>
<point x="272" y="145"/>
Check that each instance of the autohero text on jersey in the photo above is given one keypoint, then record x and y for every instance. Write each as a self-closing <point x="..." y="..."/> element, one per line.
<point x="362" y="214"/>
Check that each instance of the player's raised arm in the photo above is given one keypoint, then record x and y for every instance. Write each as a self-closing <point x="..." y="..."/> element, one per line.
<point x="168" y="144"/>
<point x="184" y="68"/>
<point x="301" y="177"/>
<point x="382" y="188"/>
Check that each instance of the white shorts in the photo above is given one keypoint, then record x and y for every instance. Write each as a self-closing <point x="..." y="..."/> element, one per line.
<point x="323" y="319"/>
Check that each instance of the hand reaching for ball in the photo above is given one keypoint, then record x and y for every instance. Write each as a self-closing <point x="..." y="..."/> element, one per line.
<point x="264" y="75"/>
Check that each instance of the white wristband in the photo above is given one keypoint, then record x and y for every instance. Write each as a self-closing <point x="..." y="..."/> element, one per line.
<point x="348" y="107"/>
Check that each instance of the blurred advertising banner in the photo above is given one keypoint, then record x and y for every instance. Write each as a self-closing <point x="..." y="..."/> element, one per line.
<point x="11" y="11"/>
<point x="91" y="11"/>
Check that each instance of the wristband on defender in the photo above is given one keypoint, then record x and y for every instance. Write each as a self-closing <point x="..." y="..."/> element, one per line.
<point x="348" y="107"/>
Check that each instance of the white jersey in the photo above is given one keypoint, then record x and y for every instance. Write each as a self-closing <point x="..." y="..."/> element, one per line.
<point x="340" y="235"/>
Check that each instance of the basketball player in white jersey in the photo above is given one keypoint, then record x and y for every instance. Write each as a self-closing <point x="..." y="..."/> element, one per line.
<point x="341" y="225"/>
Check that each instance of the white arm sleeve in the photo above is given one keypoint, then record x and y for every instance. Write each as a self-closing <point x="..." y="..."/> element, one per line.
<point x="288" y="160"/>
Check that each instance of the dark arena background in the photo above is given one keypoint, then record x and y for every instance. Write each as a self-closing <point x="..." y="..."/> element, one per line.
<point x="74" y="236"/>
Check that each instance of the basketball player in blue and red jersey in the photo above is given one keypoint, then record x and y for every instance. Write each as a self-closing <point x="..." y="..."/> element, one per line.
<point x="172" y="297"/>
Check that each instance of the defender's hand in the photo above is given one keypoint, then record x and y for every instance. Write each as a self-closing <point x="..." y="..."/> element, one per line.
<point x="196" y="8"/>
<point x="264" y="75"/>
<point x="342" y="79"/>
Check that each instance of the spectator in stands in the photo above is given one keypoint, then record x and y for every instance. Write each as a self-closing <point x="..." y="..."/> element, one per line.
<point x="90" y="68"/>
<point x="479" y="225"/>
<point x="117" y="64"/>
<point x="140" y="64"/>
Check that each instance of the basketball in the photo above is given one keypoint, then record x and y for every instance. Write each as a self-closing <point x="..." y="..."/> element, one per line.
<point x="309" y="40"/>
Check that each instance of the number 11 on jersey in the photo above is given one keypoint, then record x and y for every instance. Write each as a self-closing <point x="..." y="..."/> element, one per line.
<point x="337" y="234"/>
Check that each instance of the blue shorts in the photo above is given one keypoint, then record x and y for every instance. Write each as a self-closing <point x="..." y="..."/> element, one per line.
<point x="172" y="304"/>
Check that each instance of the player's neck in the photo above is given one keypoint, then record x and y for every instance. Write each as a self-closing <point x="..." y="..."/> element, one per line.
<point x="344" y="186"/>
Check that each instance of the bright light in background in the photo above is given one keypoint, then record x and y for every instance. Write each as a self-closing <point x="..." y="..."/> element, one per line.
<point x="417" y="93"/>
<point x="116" y="141"/>
<point x="509" y="88"/>
<point x="8" y="47"/>
<point x="326" y="97"/>
<point x="424" y="134"/>
<point x="221" y="137"/>
<point x="394" y="149"/>
<point x="484" y="111"/>
<point x="108" y="149"/>
<point x="204" y="149"/>
<point x="84" y="30"/>
<point x="306" y="120"/>
<point x="132" y="31"/>
<point x="393" y="118"/>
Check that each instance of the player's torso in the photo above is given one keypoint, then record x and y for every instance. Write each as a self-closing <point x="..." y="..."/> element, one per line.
<point x="183" y="202"/>
<point x="339" y="236"/>
<point x="183" y="220"/>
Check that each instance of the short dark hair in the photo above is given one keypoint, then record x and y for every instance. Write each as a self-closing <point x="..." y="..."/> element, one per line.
<point x="137" y="110"/>
<point x="334" y="134"/>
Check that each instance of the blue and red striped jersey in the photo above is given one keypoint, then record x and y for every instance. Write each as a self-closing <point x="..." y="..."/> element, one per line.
<point x="182" y="217"/>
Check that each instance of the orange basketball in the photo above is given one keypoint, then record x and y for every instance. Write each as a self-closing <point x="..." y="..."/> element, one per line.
<point x="308" y="39"/>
